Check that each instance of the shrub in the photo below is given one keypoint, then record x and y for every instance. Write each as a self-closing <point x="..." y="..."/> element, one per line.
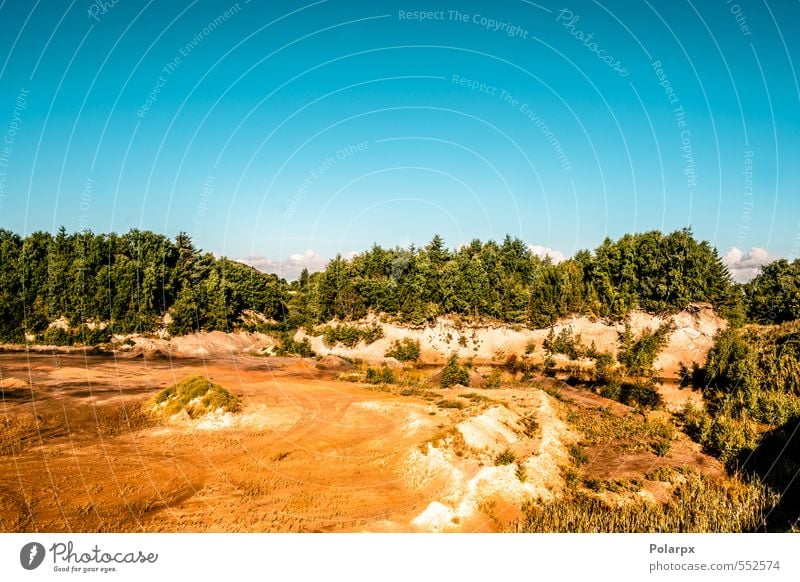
<point x="349" y="335"/>
<point x="494" y="379"/>
<point x="404" y="350"/>
<point x="92" y="336"/>
<point x="454" y="373"/>
<point x="564" y="343"/>
<point x="196" y="396"/>
<point x="505" y="458"/>
<point x="638" y="354"/>
<point x="56" y="336"/>
<point x="450" y="404"/>
<point x="382" y="375"/>
<point x="577" y="455"/>
<point x="290" y="347"/>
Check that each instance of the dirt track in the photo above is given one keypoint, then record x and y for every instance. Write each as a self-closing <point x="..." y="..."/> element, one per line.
<point x="306" y="453"/>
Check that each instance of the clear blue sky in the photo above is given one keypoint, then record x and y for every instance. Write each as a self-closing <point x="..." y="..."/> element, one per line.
<point x="240" y="123"/>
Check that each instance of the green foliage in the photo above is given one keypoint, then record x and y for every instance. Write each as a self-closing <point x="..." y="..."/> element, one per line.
<point x="506" y="457"/>
<point x="129" y="281"/>
<point x="604" y="368"/>
<point x="404" y="350"/>
<point x="578" y="455"/>
<point x="289" y="347"/>
<point x="196" y="396"/>
<point x="564" y="343"/>
<point x="84" y="335"/>
<point x="773" y="296"/>
<point x="494" y="379"/>
<point x="638" y="354"/>
<point x="349" y="335"/>
<point x="723" y="436"/>
<point x="450" y="404"/>
<point x="382" y="375"/>
<point x="505" y="281"/>
<point x="454" y="373"/>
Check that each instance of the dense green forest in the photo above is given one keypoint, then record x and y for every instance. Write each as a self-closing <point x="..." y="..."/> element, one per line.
<point x="104" y="283"/>
<point x="650" y="271"/>
<point x="128" y="281"/>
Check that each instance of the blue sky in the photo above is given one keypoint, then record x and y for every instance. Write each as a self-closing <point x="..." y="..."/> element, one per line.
<point x="286" y="132"/>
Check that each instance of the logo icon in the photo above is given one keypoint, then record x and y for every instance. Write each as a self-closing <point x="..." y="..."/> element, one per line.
<point x="31" y="555"/>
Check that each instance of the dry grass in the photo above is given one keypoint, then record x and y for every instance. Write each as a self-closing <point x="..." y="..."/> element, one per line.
<point x="699" y="505"/>
<point x="629" y="431"/>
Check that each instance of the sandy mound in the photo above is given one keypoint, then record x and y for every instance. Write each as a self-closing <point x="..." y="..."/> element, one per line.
<point x="334" y="363"/>
<point x="466" y="484"/>
<point x="493" y="343"/>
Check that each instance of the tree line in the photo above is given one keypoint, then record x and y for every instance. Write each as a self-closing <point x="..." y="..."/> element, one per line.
<point x="124" y="283"/>
<point x="130" y="282"/>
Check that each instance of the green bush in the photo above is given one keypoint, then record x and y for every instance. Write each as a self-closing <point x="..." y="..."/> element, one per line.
<point x="454" y="373"/>
<point x="349" y="336"/>
<point x="506" y="457"/>
<point x="638" y="354"/>
<point x="382" y="375"/>
<point x="494" y="379"/>
<point x="404" y="350"/>
<point x="56" y="336"/>
<point x="564" y="343"/>
<point x="196" y="396"/>
<point x="289" y="347"/>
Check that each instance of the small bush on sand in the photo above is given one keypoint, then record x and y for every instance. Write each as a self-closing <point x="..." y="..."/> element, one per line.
<point x="454" y="373"/>
<point x="382" y="375"/>
<point x="196" y="396"/>
<point x="404" y="350"/>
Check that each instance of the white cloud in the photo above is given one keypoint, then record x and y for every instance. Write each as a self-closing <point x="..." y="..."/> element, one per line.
<point x="745" y="265"/>
<point x="542" y="252"/>
<point x="290" y="267"/>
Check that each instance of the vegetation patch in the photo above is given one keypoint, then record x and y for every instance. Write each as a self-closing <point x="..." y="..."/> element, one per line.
<point x="404" y="350"/>
<point x="506" y="457"/>
<point x="382" y="375"/>
<point x="628" y="431"/>
<point x="349" y="335"/>
<point x="450" y="404"/>
<point x="698" y="505"/>
<point x="197" y="396"/>
<point x="454" y="373"/>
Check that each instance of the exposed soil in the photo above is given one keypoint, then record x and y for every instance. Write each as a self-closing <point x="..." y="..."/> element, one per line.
<point x="308" y="452"/>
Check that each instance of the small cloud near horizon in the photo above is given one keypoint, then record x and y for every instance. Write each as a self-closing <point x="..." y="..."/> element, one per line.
<point x="289" y="268"/>
<point x="542" y="251"/>
<point x="743" y="266"/>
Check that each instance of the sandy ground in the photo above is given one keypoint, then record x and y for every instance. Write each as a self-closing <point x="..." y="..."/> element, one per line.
<point x="307" y="452"/>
